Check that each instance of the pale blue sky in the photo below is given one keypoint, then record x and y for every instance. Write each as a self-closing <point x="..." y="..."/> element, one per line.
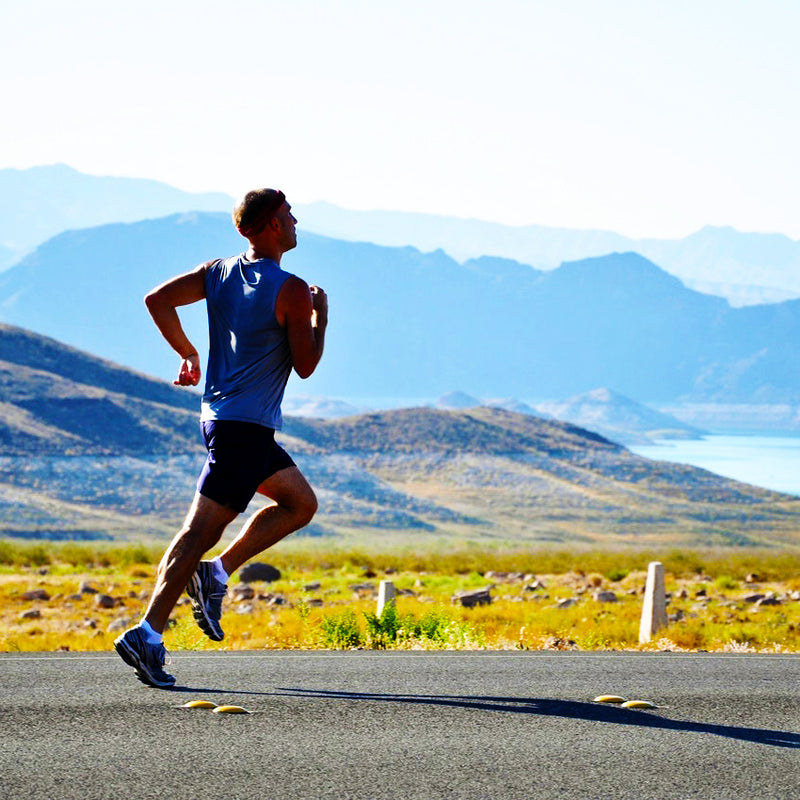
<point x="645" y="117"/>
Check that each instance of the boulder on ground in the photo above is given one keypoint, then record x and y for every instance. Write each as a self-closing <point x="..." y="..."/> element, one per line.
<point x="476" y="597"/>
<point x="259" y="572"/>
<point x="35" y="594"/>
<point x="606" y="597"/>
<point x="241" y="592"/>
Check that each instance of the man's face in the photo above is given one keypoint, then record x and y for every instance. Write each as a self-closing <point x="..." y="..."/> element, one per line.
<point x="287" y="224"/>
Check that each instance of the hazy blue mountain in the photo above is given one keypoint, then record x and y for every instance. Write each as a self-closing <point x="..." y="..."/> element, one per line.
<point x="537" y="245"/>
<point x="618" y="417"/>
<point x="745" y="268"/>
<point x="40" y="202"/>
<point x="7" y="257"/>
<point x="410" y="324"/>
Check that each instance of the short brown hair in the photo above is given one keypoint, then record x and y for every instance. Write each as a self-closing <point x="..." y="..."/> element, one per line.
<point x="252" y="213"/>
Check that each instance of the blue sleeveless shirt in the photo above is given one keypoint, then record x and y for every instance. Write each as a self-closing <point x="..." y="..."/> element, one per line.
<point x="249" y="361"/>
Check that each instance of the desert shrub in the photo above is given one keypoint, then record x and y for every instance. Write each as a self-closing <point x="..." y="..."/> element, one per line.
<point x="77" y="555"/>
<point x="341" y="631"/>
<point x="135" y="554"/>
<point x="726" y="582"/>
<point x="35" y="555"/>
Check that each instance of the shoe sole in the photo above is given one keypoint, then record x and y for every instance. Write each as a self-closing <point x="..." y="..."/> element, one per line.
<point x="131" y="658"/>
<point x="209" y="627"/>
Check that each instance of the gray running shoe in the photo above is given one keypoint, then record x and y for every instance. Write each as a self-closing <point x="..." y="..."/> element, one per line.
<point x="147" y="659"/>
<point x="206" y="594"/>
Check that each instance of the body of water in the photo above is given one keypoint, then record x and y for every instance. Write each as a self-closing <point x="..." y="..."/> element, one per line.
<point x="772" y="462"/>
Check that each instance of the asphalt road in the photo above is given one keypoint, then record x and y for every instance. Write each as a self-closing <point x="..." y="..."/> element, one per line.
<point x="402" y="725"/>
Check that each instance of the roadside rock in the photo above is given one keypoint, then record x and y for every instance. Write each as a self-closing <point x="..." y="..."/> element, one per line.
<point x="104" y="601"/>
<point x="35" y="594"/>
<point x="87" y="588"/>
<point x="605" y="597"/>
<point x="31" y="613"/>
<point x="241" y="592"/>
<point x="258" y="571"/>
<point x="557" y="643"/>
<point x="769" y="600"/>
<point x="470" y="599"/>
<point x="566" y="603"/>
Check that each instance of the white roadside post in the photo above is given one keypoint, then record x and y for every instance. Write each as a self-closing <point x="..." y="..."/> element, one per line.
<point x="386" y="594"/>
<point x="654" y="610"/>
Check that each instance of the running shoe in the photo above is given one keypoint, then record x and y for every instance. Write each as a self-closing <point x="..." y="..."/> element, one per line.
<point x="147" y="659"/>
<point x="206" y="594"/>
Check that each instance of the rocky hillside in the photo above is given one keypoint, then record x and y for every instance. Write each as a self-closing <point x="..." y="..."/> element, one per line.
<point x="91" y="450"/>
<point x="61" y="401"/>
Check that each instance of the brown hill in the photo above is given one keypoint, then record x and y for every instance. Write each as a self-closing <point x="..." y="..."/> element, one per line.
<point x="92" y="450"/>
<point x="60" y="401"/>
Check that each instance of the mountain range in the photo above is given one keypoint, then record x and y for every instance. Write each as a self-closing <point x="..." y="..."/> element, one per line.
<point x="40" y="202"/>
<point x="601" y="410"/>
<point x="92" y="450"/>
<point x="745" y="268"/>
<point x="417" y="325"/>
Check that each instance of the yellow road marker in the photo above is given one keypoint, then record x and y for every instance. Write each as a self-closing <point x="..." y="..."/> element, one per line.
<point x="639" y="704"/>
<point x="229" y="710"/>
<point x="609" y="698"/>
<point x="199" y="704"/>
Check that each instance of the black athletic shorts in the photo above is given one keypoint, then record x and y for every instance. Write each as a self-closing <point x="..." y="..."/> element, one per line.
<point x="241" y="456"/>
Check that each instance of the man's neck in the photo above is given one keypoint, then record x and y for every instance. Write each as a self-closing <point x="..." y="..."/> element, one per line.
<point x="256" y="254"/>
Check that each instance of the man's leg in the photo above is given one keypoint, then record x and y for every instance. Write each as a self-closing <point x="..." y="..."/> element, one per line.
<point x="141" y="647"/>
<point x="202" y="529"/>
<point x="295" y="506"/>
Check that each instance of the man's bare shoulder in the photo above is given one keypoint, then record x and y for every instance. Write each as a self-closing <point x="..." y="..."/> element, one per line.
<point x="293" y="301"/>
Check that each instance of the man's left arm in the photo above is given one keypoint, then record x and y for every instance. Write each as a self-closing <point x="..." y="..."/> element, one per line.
<point x="303" y="311"/>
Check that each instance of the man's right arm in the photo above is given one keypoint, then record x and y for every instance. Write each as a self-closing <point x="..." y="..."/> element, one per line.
<point x="303" y="312"/>
<point x="162" y="303"/>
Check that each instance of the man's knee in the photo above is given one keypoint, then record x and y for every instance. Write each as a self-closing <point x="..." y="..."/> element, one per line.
<point x="306" y="506"/>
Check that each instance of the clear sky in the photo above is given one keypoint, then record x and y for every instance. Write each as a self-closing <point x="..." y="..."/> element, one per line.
<point x="646" y="117"/>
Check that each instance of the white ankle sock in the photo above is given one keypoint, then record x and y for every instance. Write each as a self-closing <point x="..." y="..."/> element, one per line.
<point x="153" y="636"/>
<point x="219" y="570"/>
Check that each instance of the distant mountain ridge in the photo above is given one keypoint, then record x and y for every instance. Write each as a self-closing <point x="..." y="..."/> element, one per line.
<point x="40" y="202"/>
<point x="745" y="268"/>
<point x="411" y="324"/>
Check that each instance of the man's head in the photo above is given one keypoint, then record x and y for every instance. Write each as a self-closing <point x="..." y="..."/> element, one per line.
<point x="265" y="219"/>
<point x="253" y="213"/>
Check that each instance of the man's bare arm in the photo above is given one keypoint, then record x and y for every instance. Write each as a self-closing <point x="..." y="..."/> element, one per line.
<point x="303" y="311"/>
<point x="162" y="303"/>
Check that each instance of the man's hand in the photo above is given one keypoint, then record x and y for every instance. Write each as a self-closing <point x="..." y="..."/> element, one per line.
<point x="319" y="304"/>
<point x="189" y="374"/>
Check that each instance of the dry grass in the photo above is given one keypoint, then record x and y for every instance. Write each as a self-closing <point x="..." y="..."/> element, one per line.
<point x="325" y="592"/>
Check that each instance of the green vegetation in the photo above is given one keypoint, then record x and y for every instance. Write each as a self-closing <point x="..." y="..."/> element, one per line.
<point x="326" y="599"/>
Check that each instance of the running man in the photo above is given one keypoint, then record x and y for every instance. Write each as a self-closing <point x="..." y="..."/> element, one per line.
<point x="263" y="322"/>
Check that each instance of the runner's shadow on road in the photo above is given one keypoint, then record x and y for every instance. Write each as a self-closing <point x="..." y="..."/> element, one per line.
<point x="570" y="709"/>
<point x="198" y="690"/>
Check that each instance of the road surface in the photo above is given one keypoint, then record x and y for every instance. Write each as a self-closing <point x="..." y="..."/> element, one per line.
<point x="395" y="725"/>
